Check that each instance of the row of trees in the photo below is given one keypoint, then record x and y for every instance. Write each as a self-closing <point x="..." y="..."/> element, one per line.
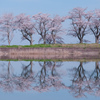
<point x="49" y="28"/>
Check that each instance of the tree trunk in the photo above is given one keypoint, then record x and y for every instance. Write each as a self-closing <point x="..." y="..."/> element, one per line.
<point x="31" y="41"/>
<point x="97" y="39"/>
<point x="31" y="66"/>
<point x="81" y="64"/>
<point x="97" y="70"/>
<point x="81" y="40"/>
<point x="8" y="41"/>
<point x="54" y="40"/>
<point x="97" y="65"/>
<point x="44" y="41"/>
<point x="52" y="72"/>
<point x="9" y="67"/>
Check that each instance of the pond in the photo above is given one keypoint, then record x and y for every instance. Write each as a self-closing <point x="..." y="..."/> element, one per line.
<point x="49" y="80"/>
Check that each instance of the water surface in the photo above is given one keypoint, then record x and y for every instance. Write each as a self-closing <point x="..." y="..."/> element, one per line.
<point x="49" y="80"/>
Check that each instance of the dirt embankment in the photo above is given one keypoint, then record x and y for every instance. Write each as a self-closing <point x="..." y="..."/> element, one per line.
<point x="49" y="53"/>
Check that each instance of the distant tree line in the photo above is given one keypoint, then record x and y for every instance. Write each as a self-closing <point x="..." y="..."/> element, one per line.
<point x="50" y="28"/>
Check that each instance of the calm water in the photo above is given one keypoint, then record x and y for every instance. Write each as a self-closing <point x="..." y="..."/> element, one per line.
<point x="49" y="80"/>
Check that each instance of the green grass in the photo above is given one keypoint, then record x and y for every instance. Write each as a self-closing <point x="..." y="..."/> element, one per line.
<point x="42" y="60"/>
<point x="56" y="60"/>
<point x="54" y="46"/>
<point x="26" y="46"/>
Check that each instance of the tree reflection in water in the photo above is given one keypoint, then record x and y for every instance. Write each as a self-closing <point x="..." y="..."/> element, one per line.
<point x="26" y="78"/>
<point x="27" y="71"/>
<point x="48" y="77"/>
<point x="6" y="78"/>
<point x="84" y="82"/>
<point x="10" y="82"/>
<point x="80" y="82"/>
<point x="95" y="79"/>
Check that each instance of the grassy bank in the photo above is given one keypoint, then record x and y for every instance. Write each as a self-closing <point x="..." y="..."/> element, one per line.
<point x="53" y="46"/>
<point x="55" y="60"/>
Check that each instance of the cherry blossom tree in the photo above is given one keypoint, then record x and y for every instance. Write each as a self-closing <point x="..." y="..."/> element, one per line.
<point x="79" y="23"/>
<point x="56" y="28"/>
<point x="42" y="22"/>
<point x="26" y="27"/>
<point x="7" y="27"/>
<point x="49" y="28"/>
<point x="95" y="25"/>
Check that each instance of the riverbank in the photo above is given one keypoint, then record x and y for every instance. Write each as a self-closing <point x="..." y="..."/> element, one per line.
<point x="50" y="53"/>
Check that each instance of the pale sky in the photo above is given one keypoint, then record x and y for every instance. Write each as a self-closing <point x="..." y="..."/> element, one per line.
<point x="53" y="7"/>
<point x="60" y="7"/>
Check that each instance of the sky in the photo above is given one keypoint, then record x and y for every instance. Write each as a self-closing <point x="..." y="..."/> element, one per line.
<point x="61" y="7"/>
<point x="53" y="7"/>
